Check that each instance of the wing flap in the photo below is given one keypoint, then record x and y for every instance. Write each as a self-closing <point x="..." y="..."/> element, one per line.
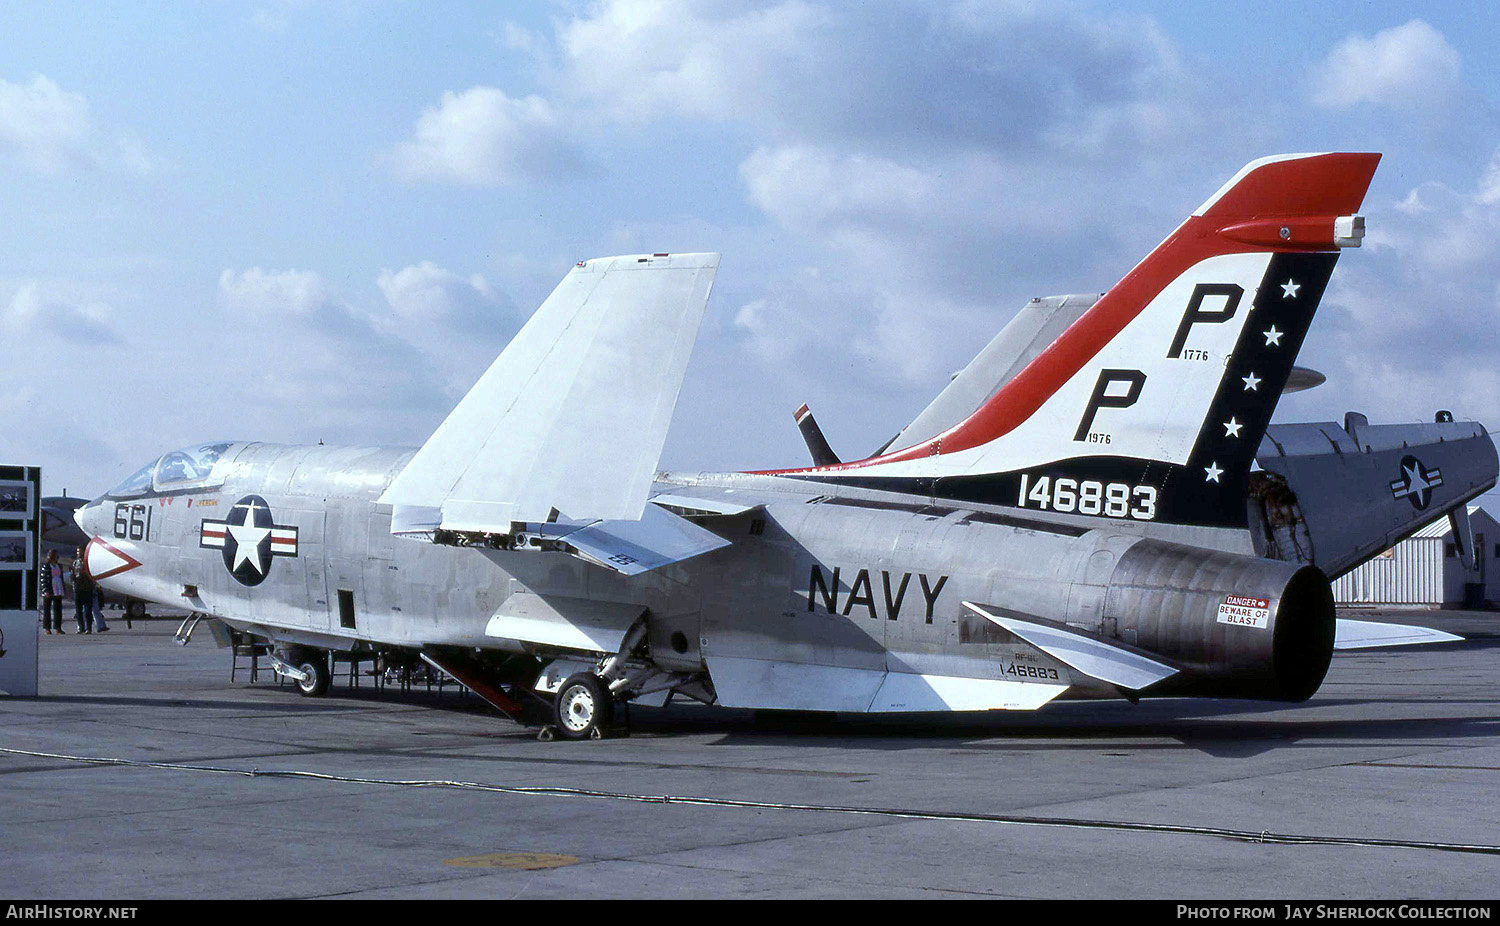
<point x="566" y="623"/>
<point x="659" y="538"/>
<point x="774" y="685"/>
<point x="906" y="691"/>
<point x="690" y="506"/>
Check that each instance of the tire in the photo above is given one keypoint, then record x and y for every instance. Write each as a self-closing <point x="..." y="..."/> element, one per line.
<point x="584" y="706"/>
<point x="316" y="684"/>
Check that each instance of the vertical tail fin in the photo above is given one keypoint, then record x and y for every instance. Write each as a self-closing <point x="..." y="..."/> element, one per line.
<point x="1152" y="404"/>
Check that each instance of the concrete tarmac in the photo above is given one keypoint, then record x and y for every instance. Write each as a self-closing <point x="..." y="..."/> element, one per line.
<point x="1389" y="774"/>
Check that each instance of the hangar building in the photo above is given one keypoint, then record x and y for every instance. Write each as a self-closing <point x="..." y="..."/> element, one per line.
<point x="1426" y="570"/>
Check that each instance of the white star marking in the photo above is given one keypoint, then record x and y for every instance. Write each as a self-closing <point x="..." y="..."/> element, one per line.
<point x="1250" y="382"/>
<point x="1273" y="336"/>
<point x="247" y="538"/>
<point x="1232" y="428"/>
<point x="1213" y="472"/>
<point x="1289" y="289"/>
<point x="1415" y="481"/>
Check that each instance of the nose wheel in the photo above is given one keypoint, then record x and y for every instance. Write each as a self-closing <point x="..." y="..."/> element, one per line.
<point x="584" y="707"/>
<point x="314" y="683"/>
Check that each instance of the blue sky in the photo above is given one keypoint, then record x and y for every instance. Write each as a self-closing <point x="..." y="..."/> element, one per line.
<point x="302" y="221"/>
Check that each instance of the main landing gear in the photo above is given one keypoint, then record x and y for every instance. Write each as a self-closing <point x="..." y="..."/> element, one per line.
<point x="584" y="707"/>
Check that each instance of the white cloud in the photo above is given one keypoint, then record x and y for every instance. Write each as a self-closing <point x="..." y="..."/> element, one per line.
<point x="1409" y="67"/>
<point x="63" y="311"/>
<point x="1011" y="77"/>
<point x="458" y="324"/>
<point x="940" y="162"/>
<point x="51" y="129"/>
<point x="687" y="58"/>
<point x="1411" y="322"/>
<point x="425" y="292"/>
<point x="305" y="357"/>
<point x="482" y="137"/>
<point x="805" y="187"/>
<point x="44" y="125"/>
<point x="1489" y="185"/>
<point x="428" y="341"/>
<point x="294" y="292"/>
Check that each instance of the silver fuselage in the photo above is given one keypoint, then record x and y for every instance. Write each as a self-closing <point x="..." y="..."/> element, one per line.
<point x="816" y="575"/>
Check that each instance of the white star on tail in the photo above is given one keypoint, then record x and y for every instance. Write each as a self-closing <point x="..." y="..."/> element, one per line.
<point x="1213" y="472"/>
<point x="247" y="538"/>
<point x="1273" y="336"/>
<point x="1289" y="289"/>
<point x="1250" y="382"/>
<point x="1232" y="428"/>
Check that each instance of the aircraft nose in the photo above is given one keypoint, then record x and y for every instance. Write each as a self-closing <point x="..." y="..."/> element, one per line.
<point x="91" y="518"/>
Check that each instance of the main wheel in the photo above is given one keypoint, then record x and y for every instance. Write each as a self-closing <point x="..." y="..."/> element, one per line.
<point x="583" y="706"/>
<point x="317" y="676"/>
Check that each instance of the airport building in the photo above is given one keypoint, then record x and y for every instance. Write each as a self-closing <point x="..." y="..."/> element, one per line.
<point x="1426" y="570"/>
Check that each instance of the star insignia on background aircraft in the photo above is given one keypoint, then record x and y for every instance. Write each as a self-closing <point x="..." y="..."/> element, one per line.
<point x="249" y="538"/>
<point x="1416" y="482"/>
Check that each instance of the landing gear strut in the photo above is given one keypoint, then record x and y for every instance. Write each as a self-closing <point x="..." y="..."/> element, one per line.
<point x="584" y="707"/>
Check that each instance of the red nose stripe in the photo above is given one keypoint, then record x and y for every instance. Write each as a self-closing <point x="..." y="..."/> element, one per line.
<point x="102" y="559"/>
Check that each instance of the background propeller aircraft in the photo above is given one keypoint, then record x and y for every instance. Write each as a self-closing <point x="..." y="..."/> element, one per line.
<point x="1096" y="507"/>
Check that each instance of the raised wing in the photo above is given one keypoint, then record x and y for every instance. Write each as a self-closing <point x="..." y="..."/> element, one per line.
<point x="1334" y="495"/>
<point x="570" y="419"/>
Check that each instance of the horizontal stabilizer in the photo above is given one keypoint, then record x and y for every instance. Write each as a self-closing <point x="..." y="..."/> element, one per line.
<point x="659" y="538"/>
<point x="572" y="415"/>
<point x="1351" y="634"/>
<point x="1091" y="655"/>
<point x="569" y="623"/>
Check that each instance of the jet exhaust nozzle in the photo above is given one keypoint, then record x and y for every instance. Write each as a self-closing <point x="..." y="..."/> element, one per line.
<point x="1240" y="626"/>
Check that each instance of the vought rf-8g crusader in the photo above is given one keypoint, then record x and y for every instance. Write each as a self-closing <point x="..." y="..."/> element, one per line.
<point x="1096" y="507"/>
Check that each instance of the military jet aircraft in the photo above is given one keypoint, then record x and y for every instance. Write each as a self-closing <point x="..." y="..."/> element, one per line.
<point x="1095" y="508"/>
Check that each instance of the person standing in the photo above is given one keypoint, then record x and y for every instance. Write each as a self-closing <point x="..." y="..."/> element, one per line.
<point x="50" y="578"/>
<point x="86" y="598"/>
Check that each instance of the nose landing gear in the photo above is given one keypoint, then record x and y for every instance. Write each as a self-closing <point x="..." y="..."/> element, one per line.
<point x="315" y="677"/>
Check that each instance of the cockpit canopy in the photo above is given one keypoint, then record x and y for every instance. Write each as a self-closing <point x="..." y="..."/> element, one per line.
<point x="189" y="468"/>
